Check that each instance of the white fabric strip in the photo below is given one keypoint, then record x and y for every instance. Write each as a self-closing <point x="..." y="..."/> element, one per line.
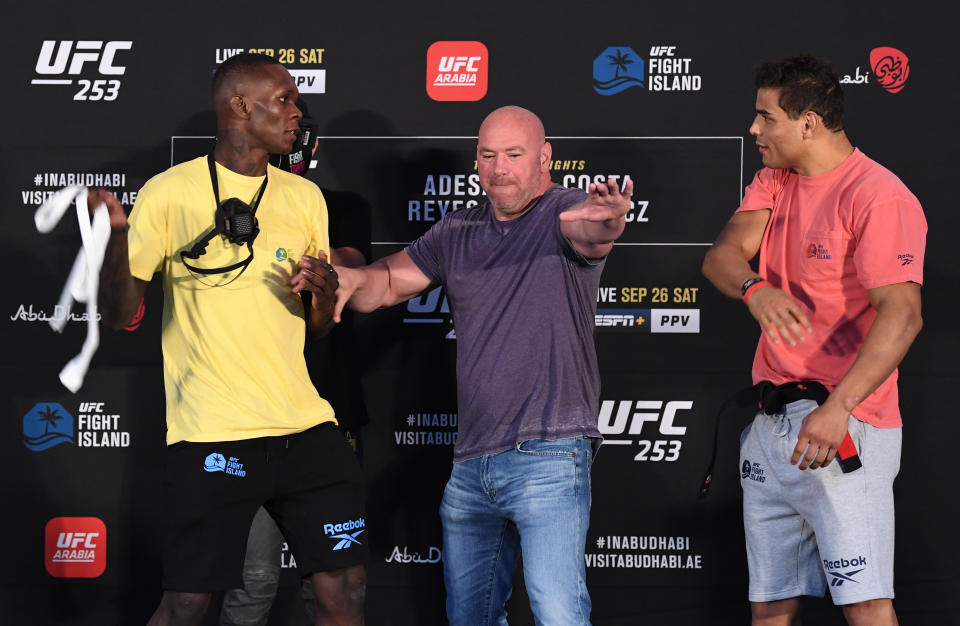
<point x="84" y="278"/>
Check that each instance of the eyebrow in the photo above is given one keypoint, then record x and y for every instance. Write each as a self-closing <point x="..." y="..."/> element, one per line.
<point x="483" y="149"/>
<point x="763" y="112"/>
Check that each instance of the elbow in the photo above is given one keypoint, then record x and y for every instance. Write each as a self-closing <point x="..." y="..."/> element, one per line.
<point x="114" y="321"/>
<point x="915" y="325"/>
<point x="706" y="268"/>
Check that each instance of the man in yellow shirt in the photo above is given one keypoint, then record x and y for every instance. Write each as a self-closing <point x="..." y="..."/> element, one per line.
<point x="245" y="425"/>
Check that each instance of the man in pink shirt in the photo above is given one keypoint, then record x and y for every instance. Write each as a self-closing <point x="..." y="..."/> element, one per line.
<point x="837" y="295"/>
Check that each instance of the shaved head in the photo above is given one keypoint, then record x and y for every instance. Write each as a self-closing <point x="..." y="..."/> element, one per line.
<point x="513" y="160"/>
<point x="229" y="79"/>
<point x="254" y="98"/>
<point x="520" y="117"/>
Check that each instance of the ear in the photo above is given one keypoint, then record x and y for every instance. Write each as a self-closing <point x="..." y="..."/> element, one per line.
<point x="546" y="153"/>
<point x="239" y="107"/>
<point x="812" y="122"/>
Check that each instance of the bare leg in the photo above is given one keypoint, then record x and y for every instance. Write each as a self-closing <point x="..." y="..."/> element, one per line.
<point x="777" y="613"/>
<point x="340" y="595"/>
<point x="180" y="609"/>
<point x="877" y="612"/>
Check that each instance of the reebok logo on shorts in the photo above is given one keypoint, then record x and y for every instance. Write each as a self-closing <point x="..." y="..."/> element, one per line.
<point x="216" y="462"/>
<point x="839" y="577"/>
<point x="340" y="532"/>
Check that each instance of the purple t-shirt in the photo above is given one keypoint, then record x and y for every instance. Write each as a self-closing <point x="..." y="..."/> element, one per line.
<point x="523" y="302"/>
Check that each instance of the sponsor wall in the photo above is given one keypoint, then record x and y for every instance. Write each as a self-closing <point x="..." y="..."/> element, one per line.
<point x="660" y="94"/>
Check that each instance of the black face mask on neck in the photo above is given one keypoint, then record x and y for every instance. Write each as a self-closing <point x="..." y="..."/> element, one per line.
<point x="234" y="219"/>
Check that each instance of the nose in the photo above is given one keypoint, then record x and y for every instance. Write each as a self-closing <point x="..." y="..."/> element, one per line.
<point x="500" y="164"/>
<point x="298" y="114"/>
<point x="755" y="127"/>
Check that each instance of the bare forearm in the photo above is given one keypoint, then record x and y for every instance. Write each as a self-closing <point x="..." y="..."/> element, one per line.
<point x="373" y="288"/>
<point x="319" y="322"/>
<point x="120" y="292"/>
<point x="594" y="240"/>
<point x="725" y="267"/>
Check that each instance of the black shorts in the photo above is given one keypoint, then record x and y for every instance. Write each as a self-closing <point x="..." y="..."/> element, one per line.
<point x="309" y="482"/>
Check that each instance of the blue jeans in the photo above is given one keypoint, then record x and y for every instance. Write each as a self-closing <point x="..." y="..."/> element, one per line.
<point x="533" y="499"/>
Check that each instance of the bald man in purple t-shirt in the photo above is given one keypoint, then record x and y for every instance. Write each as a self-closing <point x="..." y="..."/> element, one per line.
<point x="521" y="272"/>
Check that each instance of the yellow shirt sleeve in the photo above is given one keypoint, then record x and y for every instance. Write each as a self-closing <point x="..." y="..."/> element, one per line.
<point x="148" y="238"/>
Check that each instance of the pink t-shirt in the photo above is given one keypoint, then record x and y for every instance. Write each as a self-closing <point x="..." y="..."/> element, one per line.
<point x="830" y="238"/>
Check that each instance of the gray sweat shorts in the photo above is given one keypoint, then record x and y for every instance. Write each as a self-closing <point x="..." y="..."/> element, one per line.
<point x="809" y="529"/>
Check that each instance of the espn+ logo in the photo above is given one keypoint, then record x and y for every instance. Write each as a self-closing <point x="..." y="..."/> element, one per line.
<point x="59" y="61"/>
<point x="618" y="420"/>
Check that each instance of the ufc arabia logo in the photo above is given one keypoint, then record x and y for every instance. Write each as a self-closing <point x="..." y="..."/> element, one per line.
<point x="76" y="547"/>
<point x="60" y="61"/>
<point x="457" y="70"/>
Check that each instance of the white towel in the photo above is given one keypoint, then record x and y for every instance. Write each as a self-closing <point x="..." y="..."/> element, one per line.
<point x="84" y="278"/>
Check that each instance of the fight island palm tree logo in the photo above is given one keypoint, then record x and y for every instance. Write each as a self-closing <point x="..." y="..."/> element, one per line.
<point x="617" y="68"/>
<point x="46" y="425"/>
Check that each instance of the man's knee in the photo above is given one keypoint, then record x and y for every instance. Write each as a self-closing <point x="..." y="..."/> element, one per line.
<point x="179" y="608"/>
<point x="878" y="612"/>
<point x="776" y="613"/>
<point x="342" y="591"/>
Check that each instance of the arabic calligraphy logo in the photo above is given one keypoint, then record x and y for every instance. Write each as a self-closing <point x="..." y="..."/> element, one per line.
<point x="433" y="556"/>
<point x="891" y="67"/>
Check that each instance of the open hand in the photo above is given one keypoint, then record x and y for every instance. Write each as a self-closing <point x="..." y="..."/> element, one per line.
<point x="604" y="202"/>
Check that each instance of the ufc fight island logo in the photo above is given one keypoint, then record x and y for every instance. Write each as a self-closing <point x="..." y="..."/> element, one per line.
<point x="457" y="70"/>
<point x="95" y="65"/>
<point x="76" y="547"/>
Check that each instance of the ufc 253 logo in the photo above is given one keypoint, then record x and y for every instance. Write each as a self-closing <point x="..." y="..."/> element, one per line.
<point x="619" y="421"/>
<point x="95" y="65"/>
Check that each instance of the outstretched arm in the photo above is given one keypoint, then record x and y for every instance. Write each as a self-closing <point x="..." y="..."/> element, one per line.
<point x="727" y="266"/>
<point x="386" y="282"/>
<point x="594" y="224"/>
<point x="120" y="292"/>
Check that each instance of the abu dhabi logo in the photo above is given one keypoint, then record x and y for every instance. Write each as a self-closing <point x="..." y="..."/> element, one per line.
<point x="891" y="67"/>
<point x="616" y="69"/>
<point x="46" y="425"/>
<point x="340" y="532"/>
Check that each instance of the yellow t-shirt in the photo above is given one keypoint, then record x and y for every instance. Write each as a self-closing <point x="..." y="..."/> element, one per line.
<point x="233" y="361"/>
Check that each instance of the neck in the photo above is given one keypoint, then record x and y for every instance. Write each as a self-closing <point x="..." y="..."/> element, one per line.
<point x="827" y="156"/>
<point x="233" y="151"/>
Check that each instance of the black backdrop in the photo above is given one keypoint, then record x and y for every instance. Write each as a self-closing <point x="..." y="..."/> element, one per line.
<point x="133" y="97"/>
